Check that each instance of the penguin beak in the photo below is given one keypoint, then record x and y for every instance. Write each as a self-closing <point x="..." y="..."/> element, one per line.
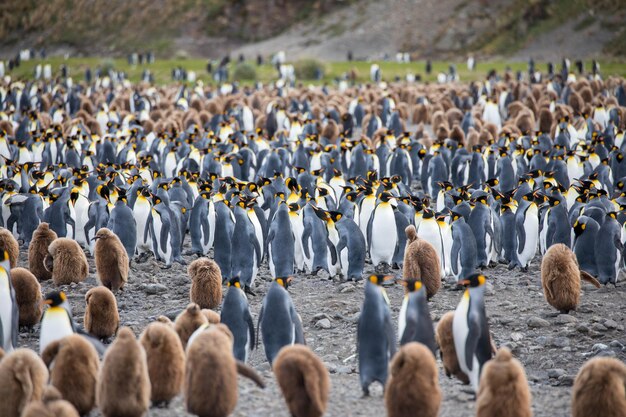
<point x="95" y="238"/>
<point x="48" y="302"/>
<point x="463" y="283"/>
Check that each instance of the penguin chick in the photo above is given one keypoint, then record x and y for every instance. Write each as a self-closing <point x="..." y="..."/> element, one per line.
<point x="74" y="364"/>
<point x="123" y="387"/>
<point x="445" y="341"/>
<point x="600" y="389"/>
<point x="503" y="388"/>
<point x="28" y="296"/>
<point x="188" y="321"/>
<point x="421" y="262"/>
<point x="413" y="386"/>
<point x="303" y="380"/>
<point x="67" y="262"/>
<point x="166" y="361"/>
<point x="212" y="316"/>
<point x="23" y="377"/>
<point x="206" y="283"/>
<point x="560" y="278"/>
<point x="210" y="387"/>
<point x="38" y="250"/>
<point x="101" y="316"/>
<point x="111" y="260"/>
<point x="52" y="404"/>
<point x="8" y="243"/>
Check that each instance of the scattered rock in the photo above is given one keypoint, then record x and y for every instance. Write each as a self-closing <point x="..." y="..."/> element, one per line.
<point x="581" y="328"/>
<point x="598" y="347"/>
<point x="344" y="370"/>
<point x="566" y="380"/>
<point x="152" y="289"/>
<point x="556" y="373"/>
<point x="616" y="344"/>
<point x="516" y="337"/>
<point x="566" y="319"/>
<point x="320" y="316"/>
<point x="543" y="340"/>
<point x="537" y="322"/>
<point x="610" y="324"/>
<point x="560" y="342"/>
<point x="598" y="327"/>
<point x="323" y="324"/>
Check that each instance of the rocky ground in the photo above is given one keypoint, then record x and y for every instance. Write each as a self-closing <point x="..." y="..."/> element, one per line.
<point x="551" y="346"/>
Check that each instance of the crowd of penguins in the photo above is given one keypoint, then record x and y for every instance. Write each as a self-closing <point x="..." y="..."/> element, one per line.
<point x="438" y="180"/>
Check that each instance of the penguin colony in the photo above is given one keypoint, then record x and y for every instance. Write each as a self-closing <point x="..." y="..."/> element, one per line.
<point x="307" y="180"/>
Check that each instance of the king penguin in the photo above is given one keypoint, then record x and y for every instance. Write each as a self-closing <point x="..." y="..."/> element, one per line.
<point x="281" y="244"/>
<point x="279" y="323"/>
<point x="376" y="341"/>
<point x="527" y="229"/>
<point x="471" y="329"/>
<point x="9" y="310"/>
<point x="236" y="316"/>
<point x="382" y="236"/>
<point x="414" y="321"/>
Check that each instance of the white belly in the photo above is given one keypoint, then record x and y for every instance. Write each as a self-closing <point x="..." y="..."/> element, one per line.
<point x="141" y="211"/>
<point x="297" y="229"/>
<point x="384" y="235"/>
<point x="531" y="226"/>
<point x="54" y="326"/>
<point x="6" y="306"/>
<point x="402" y="317"/>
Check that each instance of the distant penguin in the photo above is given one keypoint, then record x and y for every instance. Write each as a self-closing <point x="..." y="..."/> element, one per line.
<point x="279" y="323"/>
<point x="123" y="387"/>
<point x="421" y="262"/>
<point x="9" y="244"/>
<point x="166" y="361"/>
<point x="351" y="249"/>
<point x="23" y="378"/>
<point x="51" y="404"/>
<point x="206" y="283"/>
<point x="445" y="340"/>
<point x="9" y="308"/>
<point x="382" y="236"/>
<point x="527" y="230"/>
<point x="66" y="261"/>
<point x="561" y="276"/>
<point x="101" y="316"/>
<point x="376" y="341"/>
<point x="246" y="249"/>
<point x="504" y="390"/>
<point x="281" y="244"/>
<point x="586" y="233"/>
<point x="74" y="366"/>
<point x="38" y="250"/>
<point x="224" y="228"/>
<point x="123" y="224"/>
<point x="472" y="340"/>
<point x="210" y="387"/>
<point x="236" y="316"/>
<point x="303" y="380"/>
<point x="28" y="296"/>
<point x="481" y="223"/>
<point x="112" y="263"/>
<point x="599" y="389"/>
<point x="414" y="321"/>
<point x="413" y="387"/>
<point x="188" y="321"/>
<point x="609" y="249"/>
<point x="463" y="261"/>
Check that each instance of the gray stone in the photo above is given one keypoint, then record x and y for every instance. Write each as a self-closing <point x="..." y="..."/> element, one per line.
<point x="320" y="316"/>
<point x="598" y="327"/>
<point x="323" y="324"/>
<point x="581" y="328"/>
<point x="566" y="380"/>
<point x="543" y="340"/>
<point x="565" y="319"/>
<point x="344" y="370"/>
<point x="610" y="324"/>
<point x="536" y="322"/>
<point x="616" y="344"/>
<point x="560" y="342"/>
<point x="152" y="289"/>
<point x="556" y="373"/>
<point x="516" y="336"/>
<point x="606" y="353"/>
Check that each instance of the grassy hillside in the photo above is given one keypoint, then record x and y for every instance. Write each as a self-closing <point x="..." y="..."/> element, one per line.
<point x="161" y="69"/>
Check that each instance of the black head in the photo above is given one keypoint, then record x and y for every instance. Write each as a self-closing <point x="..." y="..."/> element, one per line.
<point x="474" y="280"/>
<point x="412" y="285"/>
<point x="55" y="298"/>
<point x="284" y="282"/>
<point x="234" y="282"/>
<point x="380" y="279"/>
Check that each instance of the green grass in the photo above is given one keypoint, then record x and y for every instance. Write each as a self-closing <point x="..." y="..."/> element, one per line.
<point x="161" y="69"/>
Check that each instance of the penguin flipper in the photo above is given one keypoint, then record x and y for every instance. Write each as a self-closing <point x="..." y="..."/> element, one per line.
<point x="250" y="373"/>
<point x="454" y="255"/>
<point x="258" y="327"/>
<point x="521" y="233"/>
<point x="585" y="276"/>
<point x="295" y="318"/>
<point x="100" y="347"/>
<point x="305" y="240"/>
<point x="370" y="222"/>
<point x="390" y="335"/>
<point x="15" y="318"/>
<point x="251" y="333"/>
<point x="332" y="250"/>
<point x="471" y="342"/>
<point x="206" y="229"/>
<point x="257" y="249"/>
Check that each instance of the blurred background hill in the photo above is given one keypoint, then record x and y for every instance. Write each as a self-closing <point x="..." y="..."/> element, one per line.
<point x="325" y="29"/>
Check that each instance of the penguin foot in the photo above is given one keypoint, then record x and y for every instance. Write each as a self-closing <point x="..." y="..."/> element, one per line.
<point x="162" y="404"/>
<point x="248" y="290"/>
<point x="492" y="264"/>
<point x="181" y="261"/>
<point x="166" y="266"/>
<point x="524" y="269"/>
<point x="511" y="266"/>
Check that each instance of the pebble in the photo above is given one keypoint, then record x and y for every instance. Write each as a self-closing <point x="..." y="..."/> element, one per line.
<point x="152" y="289"/>
<point x="556" y="373"/>
<point x="560" y="342"/>
<point x="516" y="337"/>
<point x="536" y="322"/>
<point x="610" y="324"/>
<point x="320" y="316"/>
<point x="566" y="319"/>
<point x="543" y="340"/>
<point x="616" y="344"/>
<point x="566" y="380"/>
<point x="323" y="324"/>
<point x="598" y="327"/>
<point x="598" y="347"/>
<point x="581" y="328"/>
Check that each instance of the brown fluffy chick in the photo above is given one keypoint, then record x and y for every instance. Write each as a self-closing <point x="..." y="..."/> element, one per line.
<point x="28" y="296"/>
<point x="101" y="316"/>
<point x="112" y="263"/>
<point x="600" y="389"/>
